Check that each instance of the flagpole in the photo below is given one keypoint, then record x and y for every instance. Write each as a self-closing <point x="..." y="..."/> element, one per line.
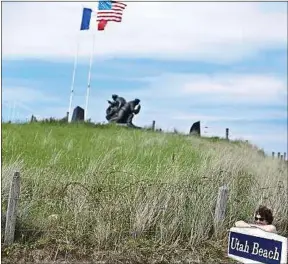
<point x="10" y="111"/>
<point x="73" y="79"/>
<point x="89" y="78"/>
<point x="13" y="113"/>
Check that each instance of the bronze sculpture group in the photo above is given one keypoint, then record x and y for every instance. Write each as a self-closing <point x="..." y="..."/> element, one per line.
<point x="122" y="112"/>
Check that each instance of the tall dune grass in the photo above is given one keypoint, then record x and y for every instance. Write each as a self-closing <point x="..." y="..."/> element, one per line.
<point x="106" y="187"/>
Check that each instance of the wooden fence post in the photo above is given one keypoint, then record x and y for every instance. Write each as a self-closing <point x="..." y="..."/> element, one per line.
<point x="281" y="157"/>
<point x="273" y="154"/>
<point x="227" y="133"/>
<point x="221" y="204"/>
<point x="278" y="155"/>
<point x="153" y="125"/>
<point x="12" y="209"/>
<point x="284" y="155"/>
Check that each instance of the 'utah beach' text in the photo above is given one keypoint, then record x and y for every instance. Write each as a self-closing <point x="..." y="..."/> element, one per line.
<point x="256" y="250"/>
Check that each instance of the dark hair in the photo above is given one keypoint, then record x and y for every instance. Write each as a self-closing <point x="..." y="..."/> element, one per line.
<point x="266" y="213"/>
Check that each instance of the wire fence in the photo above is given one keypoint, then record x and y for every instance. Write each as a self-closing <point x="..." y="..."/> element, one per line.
<point x="91" y="197"/>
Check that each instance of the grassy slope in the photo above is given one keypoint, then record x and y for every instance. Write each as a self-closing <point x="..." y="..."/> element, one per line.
<point x="116" y="189"/>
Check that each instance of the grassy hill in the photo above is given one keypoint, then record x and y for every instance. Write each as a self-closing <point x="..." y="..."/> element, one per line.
<point x="106" y="192"/>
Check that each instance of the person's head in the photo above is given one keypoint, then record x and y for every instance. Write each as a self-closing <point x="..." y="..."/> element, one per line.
<point x="114" y="96"/>
<point x="263" y="216"/>
<point x="137" y="101"/>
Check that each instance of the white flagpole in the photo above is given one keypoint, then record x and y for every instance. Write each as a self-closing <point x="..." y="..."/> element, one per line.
<point x="89" y="79"/>
<point x="10" y="111"/>
<point x="73" y="80"/>
<point x="13" y="113"/>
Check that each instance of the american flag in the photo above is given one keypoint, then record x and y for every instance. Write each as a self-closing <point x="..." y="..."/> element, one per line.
<point x="110" y="11"/>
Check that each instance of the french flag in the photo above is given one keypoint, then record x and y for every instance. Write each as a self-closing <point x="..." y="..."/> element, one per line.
<point x="86" y="20"/>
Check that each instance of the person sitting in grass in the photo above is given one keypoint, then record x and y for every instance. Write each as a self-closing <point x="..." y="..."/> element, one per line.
<point x="263" y="220"/>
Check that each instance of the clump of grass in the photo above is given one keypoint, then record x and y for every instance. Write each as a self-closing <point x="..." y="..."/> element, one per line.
<point x="108" y="187"/>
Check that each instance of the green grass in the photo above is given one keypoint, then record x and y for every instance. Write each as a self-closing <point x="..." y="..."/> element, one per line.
<point x="111" y="188"/>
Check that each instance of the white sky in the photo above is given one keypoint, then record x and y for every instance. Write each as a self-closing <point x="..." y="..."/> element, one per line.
<point x="205" y="31"/>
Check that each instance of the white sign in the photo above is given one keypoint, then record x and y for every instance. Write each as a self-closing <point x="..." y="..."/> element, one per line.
<point x="253" y="245"/>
